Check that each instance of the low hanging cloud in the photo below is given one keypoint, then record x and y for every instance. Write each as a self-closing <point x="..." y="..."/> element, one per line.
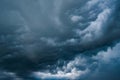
<point x="105" y="62"/>
<point x="59" y="39"/>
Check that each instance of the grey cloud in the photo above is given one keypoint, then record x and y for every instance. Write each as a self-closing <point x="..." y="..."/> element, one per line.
<point x="41" y="32"/>
<point x="104" y="66"/>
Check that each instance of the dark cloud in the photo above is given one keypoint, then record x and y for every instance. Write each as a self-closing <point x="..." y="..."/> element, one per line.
<point x="59" y="39"/>
<point x="104" y="65"/>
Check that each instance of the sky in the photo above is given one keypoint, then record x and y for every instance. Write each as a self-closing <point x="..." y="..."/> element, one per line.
<point x="59" y="39"/>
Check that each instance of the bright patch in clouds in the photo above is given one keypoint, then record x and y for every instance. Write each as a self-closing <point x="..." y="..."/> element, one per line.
<point x="76" y="18"/>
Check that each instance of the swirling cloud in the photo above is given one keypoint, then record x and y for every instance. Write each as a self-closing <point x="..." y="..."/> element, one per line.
<point x="59" y="39"/>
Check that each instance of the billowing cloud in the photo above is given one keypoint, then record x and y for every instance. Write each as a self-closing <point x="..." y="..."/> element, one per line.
<point x="68" y="71"/>
<point x="59" y="39"/>
<point x="101" y="66"/>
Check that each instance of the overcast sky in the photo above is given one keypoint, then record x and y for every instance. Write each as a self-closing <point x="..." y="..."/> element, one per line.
<point x="59" y="39"/>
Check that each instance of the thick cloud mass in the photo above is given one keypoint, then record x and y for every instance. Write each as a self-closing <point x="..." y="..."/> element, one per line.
<point x="59" y="39"/>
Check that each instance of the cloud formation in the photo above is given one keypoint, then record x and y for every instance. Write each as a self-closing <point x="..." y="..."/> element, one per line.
<point x="105" y="62"/>
<point x="59" y="39"/>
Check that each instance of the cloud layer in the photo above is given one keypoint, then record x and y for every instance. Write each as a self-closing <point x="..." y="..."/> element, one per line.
<point x="59" y="39"/>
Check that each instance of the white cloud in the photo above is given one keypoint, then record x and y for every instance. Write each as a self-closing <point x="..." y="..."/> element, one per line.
<point x="100" y="16"/>
<point x="61" y="75"/>
<point x="76" y="18"/>
<point x="72" y="69"/>
<point x="68" y="71"/>
<point x="91" y="3"/>
<point x="95" y="29"/>
<point x="109" y="55"/>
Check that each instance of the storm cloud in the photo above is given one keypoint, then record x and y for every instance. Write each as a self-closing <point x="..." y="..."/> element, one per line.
<point x="59" y="39"/>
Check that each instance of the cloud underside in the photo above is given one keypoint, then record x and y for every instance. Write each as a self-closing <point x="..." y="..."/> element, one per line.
<point x="104" y="66"/>
<point x="59" y="39"/>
